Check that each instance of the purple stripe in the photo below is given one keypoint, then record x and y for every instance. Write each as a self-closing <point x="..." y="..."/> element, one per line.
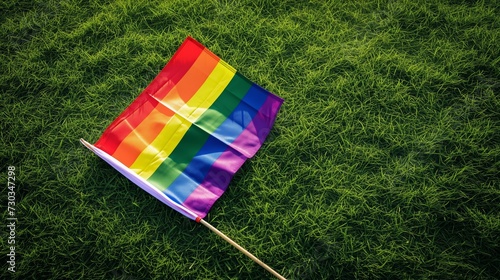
<point x="222" y="171"/>
<point x="255" y="133"/>
<point x="215" y="183"/>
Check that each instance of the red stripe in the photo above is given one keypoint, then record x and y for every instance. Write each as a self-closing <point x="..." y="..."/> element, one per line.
<point x="155" y="120"/>
<point x="169" y="76"/>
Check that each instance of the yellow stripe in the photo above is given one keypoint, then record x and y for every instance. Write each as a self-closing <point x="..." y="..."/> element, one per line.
<point x="170" y="136"/>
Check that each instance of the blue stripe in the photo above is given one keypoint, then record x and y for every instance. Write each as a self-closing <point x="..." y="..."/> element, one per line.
<point x="199" y="166"/>
<point x="242" y="115"/>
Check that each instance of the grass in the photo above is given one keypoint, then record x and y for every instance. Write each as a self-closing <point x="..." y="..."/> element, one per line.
<point x="383" y="162"/>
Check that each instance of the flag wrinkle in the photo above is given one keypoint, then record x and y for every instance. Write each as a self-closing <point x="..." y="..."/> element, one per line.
<point x="196" y="124"/>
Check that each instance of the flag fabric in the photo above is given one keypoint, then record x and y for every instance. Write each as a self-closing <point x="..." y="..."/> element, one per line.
<point x="184" y="137"/>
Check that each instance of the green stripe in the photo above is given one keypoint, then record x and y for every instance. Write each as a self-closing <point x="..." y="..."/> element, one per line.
<point x="195" y="137"/>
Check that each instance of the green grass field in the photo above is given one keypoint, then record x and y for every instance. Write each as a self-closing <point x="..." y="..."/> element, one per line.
<point x="384" y="161"/>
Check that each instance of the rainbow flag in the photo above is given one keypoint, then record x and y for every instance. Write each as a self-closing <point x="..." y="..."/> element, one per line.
<point x="183" y="138"/>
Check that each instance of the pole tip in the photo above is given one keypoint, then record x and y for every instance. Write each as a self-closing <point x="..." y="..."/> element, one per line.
<point x="86" y="144"/>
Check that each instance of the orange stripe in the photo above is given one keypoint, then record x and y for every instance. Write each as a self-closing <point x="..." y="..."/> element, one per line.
<point x="144" y="134"/>
<point x="139" y="139"/>
<point x="191" y="82"/>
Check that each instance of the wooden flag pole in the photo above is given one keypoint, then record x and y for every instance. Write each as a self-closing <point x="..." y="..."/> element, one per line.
<point x="243" y="250"/>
